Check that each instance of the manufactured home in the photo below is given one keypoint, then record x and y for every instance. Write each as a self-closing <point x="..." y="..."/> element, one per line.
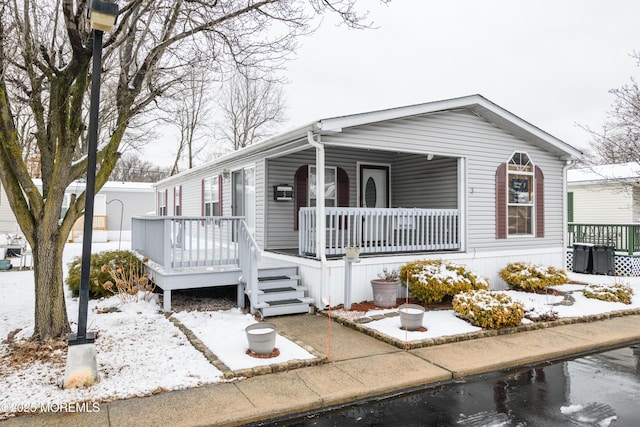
<point x="460" y="179"/>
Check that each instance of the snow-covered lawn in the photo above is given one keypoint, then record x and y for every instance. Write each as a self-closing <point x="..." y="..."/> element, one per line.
<point x="141" y="352"/>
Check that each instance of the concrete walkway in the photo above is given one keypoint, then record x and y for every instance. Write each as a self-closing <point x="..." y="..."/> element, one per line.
<point x="360" y="366"/>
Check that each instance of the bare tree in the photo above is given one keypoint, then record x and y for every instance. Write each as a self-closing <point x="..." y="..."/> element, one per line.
<point x="189" y="115"/>
<point x="45" y="57"/>
<point x="131" y="168"/>
<point x="619" y="140"/>
<point x="251" y="106"/>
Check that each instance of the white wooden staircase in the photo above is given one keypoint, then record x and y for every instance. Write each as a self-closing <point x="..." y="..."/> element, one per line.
<point x="279" y="292"/>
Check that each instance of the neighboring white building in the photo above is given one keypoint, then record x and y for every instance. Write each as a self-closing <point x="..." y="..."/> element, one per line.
<point x="114" y="206"/>
<point x="604" y="194"/>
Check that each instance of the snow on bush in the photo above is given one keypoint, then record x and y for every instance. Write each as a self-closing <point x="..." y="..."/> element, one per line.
<point x="432" y="280"/>
<point x="616" y="292"/>
<point x="531" y="277"/>
<point x="486" y="309"/>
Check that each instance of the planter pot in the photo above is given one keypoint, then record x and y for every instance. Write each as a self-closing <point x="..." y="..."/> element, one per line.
<point x="352" y="252"/>
<point x="385" y="293"/>
<point x="261" y="337"/>
<point x="411" y="316"/>
<point x="5" y="264"/>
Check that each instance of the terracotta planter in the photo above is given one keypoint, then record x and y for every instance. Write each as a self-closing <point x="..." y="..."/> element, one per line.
<point x="385" y="293"/>
<point x="261" y="337"/>
<point x="411" y="316"/>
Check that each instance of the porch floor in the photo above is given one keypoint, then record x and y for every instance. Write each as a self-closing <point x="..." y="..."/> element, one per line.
<point x="294" y="252"/>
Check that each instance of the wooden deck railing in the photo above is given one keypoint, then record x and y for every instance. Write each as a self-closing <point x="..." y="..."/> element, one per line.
<point x="623" y="237"/>
<point x="381" y="230"/>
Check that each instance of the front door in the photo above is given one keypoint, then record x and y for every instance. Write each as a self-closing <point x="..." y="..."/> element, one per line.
<point x="374" y="193"/>
<point x="374" y="186"/>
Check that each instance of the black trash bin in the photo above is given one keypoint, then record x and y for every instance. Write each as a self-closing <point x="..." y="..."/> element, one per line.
<point x="582" y="258"/>
<point x="604" y="260"/>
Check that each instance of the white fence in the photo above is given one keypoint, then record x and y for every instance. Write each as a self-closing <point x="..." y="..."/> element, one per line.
<point x="381" y="230"/>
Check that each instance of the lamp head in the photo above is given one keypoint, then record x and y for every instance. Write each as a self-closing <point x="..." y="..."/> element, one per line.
<point x="102" y="14"/>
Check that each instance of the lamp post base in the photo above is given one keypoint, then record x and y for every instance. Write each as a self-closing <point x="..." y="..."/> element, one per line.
<point x="82" y="366"/>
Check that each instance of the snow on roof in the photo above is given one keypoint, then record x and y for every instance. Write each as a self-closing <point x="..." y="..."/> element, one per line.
<point x="612" y="172"/>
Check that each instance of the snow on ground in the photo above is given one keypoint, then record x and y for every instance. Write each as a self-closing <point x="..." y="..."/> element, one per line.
<point x="140" y="351"/>
<point x="444" y="322"/>
<point x="223" y="333"/>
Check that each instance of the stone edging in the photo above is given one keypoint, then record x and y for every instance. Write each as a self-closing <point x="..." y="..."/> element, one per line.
<point x="229" y="374"/>
<point x="360" y="326"/>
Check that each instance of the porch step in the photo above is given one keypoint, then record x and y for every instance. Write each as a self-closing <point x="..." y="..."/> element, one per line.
<point x="278" y="308"/>
<point x="279" y="292"/>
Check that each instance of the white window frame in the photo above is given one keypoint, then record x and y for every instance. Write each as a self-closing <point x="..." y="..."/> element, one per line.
<point x="211" y="196"/>
<point x="521" y="192"/>
<point x="162" y="203"/>
<point x="330" y="201"/>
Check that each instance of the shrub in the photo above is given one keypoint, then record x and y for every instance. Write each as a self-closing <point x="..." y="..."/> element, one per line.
<point x="125" y="259"/>
<point x="531" y="277"/>
<point x="488" y="309"/>
<point x="612" y="293"/>
<point x="433" y="280"/>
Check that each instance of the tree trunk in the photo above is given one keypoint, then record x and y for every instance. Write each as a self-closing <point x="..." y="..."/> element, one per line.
<point x="50" y="308"/>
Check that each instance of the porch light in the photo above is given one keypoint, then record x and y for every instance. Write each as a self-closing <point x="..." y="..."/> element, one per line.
<point x="102" y="14"/>
<point x="430" y="157"/>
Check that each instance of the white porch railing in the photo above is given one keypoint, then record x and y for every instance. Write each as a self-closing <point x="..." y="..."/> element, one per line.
<point x="181" y="241"/>
<point x="376" y="230"/>
<point x="178" y="242"/>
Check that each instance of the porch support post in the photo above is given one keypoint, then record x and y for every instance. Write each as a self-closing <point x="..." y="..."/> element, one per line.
<point x="320" y="214"/>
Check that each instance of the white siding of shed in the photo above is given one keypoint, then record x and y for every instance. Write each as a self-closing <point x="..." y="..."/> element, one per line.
<point x="602" y="204"/>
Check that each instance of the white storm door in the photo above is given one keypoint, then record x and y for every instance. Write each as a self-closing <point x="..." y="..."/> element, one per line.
<point x="374" y="193"/>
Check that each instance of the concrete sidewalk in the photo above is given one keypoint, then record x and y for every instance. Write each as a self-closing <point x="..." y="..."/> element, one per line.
<point x="360" y="367"/>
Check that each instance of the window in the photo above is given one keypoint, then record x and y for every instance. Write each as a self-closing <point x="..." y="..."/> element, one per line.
<point x="304" y="192"/>
<point x="520" y="184"/>
<point x="162" y="203"/>
<point x="329" y="186"/>
<point x="519" y="198"/>
<point x="211" y="196"/>
<point x="177" y="200"/>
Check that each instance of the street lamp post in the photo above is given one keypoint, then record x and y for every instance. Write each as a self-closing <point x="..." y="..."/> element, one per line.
<point x="81" y="363"/>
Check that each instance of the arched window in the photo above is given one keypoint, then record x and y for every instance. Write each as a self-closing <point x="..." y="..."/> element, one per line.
<point x="519" y="198"/>
<point x="336" y="183"/>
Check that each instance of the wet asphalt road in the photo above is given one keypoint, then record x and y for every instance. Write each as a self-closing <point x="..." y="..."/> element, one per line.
<point x="597" y="390"/>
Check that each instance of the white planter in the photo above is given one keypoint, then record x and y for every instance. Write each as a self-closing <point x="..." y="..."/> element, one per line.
<point x="411" y="316"/>
<point x="261" y="337"/>
<point x="352" y="252"/>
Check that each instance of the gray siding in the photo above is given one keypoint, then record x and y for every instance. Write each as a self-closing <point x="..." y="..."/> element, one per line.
<point x="415" y="182"/>
<point x="464" y="134"/>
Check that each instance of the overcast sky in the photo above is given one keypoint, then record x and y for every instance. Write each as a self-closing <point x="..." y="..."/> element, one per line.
<point x="550" y="62"/>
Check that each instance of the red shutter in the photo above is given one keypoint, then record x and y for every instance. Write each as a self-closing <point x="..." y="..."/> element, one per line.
<point x="343" y="194"/>
<point x="539" y="177"/>
<point x="501" y="201"/>
<point x="300" y="192"/>
<point x="181" y="200"/>
<point x="166" y="202"/>
<point x="202" y="198"/>
<point x="220" y="195"/>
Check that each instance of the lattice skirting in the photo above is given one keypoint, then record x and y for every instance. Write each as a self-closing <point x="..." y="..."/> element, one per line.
<point x="625" y="265"/>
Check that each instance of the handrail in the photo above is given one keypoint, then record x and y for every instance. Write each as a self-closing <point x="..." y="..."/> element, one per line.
<point x="249" y="256"/>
